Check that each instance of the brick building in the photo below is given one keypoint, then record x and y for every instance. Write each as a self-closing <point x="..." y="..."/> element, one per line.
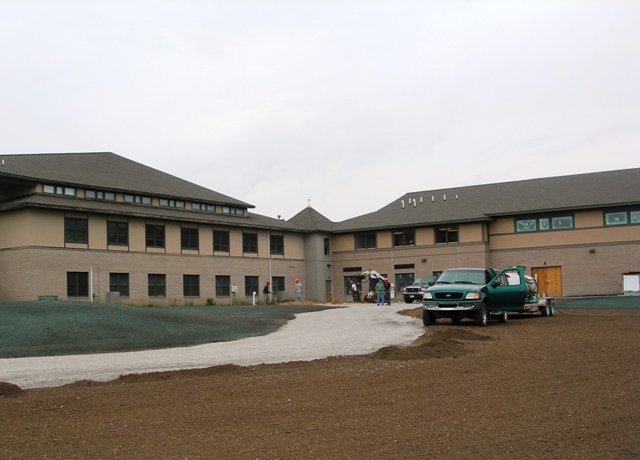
<point x="82" y="225"/>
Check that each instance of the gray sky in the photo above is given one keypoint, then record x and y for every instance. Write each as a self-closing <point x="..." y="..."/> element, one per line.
<point x="350" y="104"/>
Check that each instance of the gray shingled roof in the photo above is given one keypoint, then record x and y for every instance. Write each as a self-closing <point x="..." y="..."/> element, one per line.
<point x="312" y="221"/>
<point x="149" y="212"/>
<point x="107" y="171"/>
<point x="484" y="202"/>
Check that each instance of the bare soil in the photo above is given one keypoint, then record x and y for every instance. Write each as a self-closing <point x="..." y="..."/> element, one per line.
<point x="533" y="388"/>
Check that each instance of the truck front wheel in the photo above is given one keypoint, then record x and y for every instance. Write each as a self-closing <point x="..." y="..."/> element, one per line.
<point x="481" y="316"/>
<point x="428" y="318"/>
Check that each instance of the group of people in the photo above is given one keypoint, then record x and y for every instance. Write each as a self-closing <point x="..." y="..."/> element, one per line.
<point x="266" y="292"/>
<point x="383" y="291"/>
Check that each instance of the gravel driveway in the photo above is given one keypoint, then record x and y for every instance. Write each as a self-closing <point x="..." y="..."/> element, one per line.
<point x="352" y="330"/>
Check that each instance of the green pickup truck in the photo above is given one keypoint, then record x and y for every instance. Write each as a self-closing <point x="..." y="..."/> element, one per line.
<point x="481" y="294"/>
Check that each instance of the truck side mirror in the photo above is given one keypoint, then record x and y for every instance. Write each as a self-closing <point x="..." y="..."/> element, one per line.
<point x="495" y="283"/>
<point x="431" y="282"/>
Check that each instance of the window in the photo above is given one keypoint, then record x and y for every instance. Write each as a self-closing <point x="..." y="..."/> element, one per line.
<point x="155" y="236"/>
<point x="137" y="199"/>
<point x="446" y="235"/>
<point x="615" y="218"/>
<point x="249" y="242"/>
<point x="59" y="190"/>
<point x="189" y="238"/>
<point x="157" y="285"/>
<point x="404" y="238"/>
<point x="99" y="195"/>
<point x="277" y="244"/>
<point x="203" y="207"/>
<point x="232" y="211"/>
<point x="119" y="282"/>
<point x="191" y="285"/>
<point x="75" y="230"/>
<point x="278" y="284"/>
<point x="77" y="284"/>
<point x="403" y="280"/>
<point x="171" y="203"/>
<point x="327" y="246"/>
<point x="635" y="217"/>
<point x="221" y="240"/>
<point x="561" y="223"/>
<point x="366" y="240"/>
<point x="117" y="233"/>
<point x="222" y="285"/>
<point x="251" y="285"/>
<point x="542" y="224"/>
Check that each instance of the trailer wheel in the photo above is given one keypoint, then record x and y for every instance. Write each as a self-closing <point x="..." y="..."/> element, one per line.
<point x="481" y="316"/>
<point x="503" y="317"/>
<point x="428" y="318"/>
<point x="546" y="310"/>
<point x="552" y="307"/>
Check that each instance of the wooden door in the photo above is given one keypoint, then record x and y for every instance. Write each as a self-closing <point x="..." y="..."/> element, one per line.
<point x="549" y="280"/>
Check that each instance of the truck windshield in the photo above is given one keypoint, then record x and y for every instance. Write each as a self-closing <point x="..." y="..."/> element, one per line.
<point x="462" y="277"/>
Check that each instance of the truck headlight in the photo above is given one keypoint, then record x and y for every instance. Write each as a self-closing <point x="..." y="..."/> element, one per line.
<point x="427" y="295"/>
<point x="472" y="296"/>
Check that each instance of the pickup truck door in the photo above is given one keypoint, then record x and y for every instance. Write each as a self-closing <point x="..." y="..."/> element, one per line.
<point x="507" y="290"/>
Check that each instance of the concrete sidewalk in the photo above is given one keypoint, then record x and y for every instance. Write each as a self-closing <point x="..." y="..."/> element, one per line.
<point x="353" y="330"/>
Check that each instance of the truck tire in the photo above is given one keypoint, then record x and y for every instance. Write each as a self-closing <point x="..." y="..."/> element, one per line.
<point x="456" y="320"/>
<point x="481" y="316"/>
<point x="428" y="318"/>
<point x="408" y="300"/>
<point x="503" y="317"/>
<point x="552" y="307"/>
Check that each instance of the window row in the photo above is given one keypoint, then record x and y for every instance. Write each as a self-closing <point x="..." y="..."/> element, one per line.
<point x="406" y="237"/>
<point x="543" y="224"/>
<point x="76" y="230"/>
<point x="622" y="218"/>
<point x="100" y="195"/>
<point x="78" y="285"/>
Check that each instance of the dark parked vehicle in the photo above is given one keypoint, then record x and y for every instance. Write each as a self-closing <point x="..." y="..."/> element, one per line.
<point x="416" y="290"/>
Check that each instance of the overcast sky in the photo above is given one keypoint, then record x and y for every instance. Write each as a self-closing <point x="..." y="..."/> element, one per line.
<point x="349" y="104"/>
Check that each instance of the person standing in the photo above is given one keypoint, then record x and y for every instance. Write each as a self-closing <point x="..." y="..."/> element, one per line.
<point x="354" y="290"/>
<point x="298" y="289"/>
<point x="380" y="291"/>
<point x="387" y="291"/>
<point x="266" y="292"/>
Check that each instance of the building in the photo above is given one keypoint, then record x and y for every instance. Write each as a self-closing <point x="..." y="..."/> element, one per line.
<point x="84" y="225"/>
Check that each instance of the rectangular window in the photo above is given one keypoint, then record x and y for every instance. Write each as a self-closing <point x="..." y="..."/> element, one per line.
<point x="404" y="238"/>
<point x="562" y="223"/>
<point x="221" y="240"/>
<point x="157" y="285"/>
<point x="251" y="285"/>
<point x="446" y="235"/>
<point x="171" y="203"/>
<point x="543" y="224"/>
<point x="117" y="233"/>
<point x="403" y="266"/>
<point x="615" y="218"/>
<point x="222" y="285"/>
<point x="203" y="207"/>
<point x="155" y="236"/>
<point x="278" y="284"/>
<point x="75" y="230"/>
<point x="327" y="246"/>
<point x="277" y="244"/>
<point x="191" y="285"/>
<point x="526" y="225"/>
<point x="366" y="240"/>
<point x="635" y="217"/>
<point x="77" y="284"/>
<point x="99" y="195"/>
<point x="119" y="282"/>
<point x="137" y="199"/>
<point x="59" y="190"/>
<point x="250" y="243"/>
<point x="403" y="280"/>
<point x="189" y="238"/>
<point x="232" y="211"/>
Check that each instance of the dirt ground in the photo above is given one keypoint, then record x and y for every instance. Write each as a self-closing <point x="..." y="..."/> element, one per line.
<point x="533" y="388"/>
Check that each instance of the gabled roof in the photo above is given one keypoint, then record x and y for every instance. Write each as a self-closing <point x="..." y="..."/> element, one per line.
<point x="106" y="171"/>
<point x="485" y="202"/>
<point x="312" y="221"/>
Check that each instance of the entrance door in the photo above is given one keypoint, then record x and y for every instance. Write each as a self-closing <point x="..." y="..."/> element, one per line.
<point x="327" y="290"/>
<point x="549" y="280"/>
